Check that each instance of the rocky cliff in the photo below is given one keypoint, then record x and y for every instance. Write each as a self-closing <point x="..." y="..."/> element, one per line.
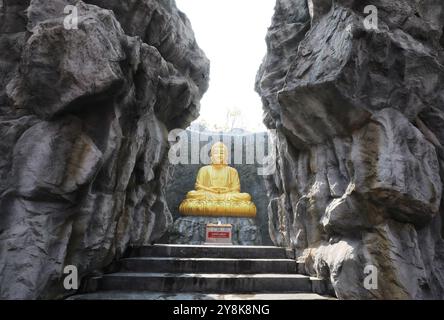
<point x="359" y="114"/>
<point x="84" y="116"/>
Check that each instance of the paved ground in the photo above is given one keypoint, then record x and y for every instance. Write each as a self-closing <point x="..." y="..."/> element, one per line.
<point x="119" y="295"/>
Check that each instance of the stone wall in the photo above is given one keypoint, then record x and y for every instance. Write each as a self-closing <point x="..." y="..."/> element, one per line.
<point x="84" y="117"/>
<point x="183" y="176"/>
<point x="359" y="118"/>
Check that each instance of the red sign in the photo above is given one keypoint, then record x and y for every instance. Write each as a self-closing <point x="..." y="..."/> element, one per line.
<point x="218" y="234"/>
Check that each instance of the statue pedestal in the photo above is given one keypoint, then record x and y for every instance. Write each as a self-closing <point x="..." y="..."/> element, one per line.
<point x="192" y="230"/>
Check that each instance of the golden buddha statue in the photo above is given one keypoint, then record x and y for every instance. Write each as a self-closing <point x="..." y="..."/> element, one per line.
<point x="217" y="190"/>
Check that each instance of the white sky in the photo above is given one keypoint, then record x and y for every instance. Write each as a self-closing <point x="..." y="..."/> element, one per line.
<point x="232" y="34"/>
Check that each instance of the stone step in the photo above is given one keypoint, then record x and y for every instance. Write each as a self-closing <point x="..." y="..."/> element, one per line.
<point x="215" y="283"/>
<point x="215" y="251"/>
<point x="207" y="265"/>
<point x="143" y="295"/>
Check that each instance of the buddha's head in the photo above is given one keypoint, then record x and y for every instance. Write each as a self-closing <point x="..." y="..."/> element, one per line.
<point x="219" y="154"/>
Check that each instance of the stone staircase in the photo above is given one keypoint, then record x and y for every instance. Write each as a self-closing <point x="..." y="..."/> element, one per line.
<point x="189" y="272"/>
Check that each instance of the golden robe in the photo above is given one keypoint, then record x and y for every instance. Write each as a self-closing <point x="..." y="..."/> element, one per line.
<point x="217" y="193"/>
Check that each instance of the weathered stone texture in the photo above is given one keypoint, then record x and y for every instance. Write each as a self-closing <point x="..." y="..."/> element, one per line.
<point x="359" y="117"/>
<point x="84" y="116"/>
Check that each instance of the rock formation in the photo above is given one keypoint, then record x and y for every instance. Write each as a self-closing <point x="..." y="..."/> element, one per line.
<point x="192" y="230"/>
<point x="84" y="117"/>
<point x="359" y="118"/>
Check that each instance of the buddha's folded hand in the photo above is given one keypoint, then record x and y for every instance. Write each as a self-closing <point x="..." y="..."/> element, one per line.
<point x="221" y="189"/>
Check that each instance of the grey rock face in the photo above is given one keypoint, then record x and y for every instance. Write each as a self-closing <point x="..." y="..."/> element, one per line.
<point x="84" y="116"/>
<point x="358" y="114"/>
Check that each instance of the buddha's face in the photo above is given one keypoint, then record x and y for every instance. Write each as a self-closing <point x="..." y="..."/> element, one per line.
<point x="219" y="154"/>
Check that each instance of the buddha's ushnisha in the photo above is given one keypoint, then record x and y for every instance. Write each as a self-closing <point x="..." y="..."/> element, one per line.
<point x="217" y="190"/>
